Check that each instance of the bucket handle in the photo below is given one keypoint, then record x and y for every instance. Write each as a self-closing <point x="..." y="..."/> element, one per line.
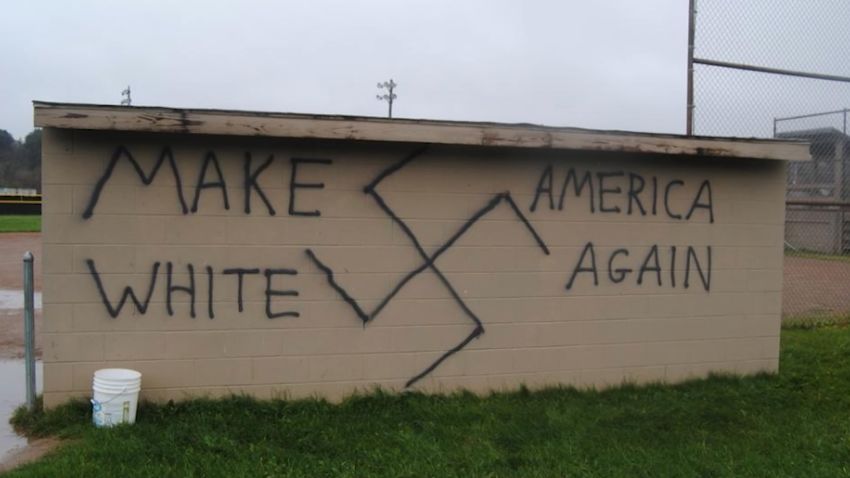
<point x="111" y="399"/>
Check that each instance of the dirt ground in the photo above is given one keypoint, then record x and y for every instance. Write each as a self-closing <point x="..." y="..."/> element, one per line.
<point x="812" y="287"/>
<point x="12" y="249"/>
<point x="34" y="450"/>
<point x="815" y="287"/>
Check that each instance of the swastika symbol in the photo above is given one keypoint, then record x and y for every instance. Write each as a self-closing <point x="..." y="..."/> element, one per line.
<point x="428" y="260"/>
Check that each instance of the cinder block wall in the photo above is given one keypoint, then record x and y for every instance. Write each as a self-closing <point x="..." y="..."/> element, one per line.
<point x="590" y="312"/>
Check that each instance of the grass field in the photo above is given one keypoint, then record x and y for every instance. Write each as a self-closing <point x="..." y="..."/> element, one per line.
<point x="20" y="223"/>
<point x="818" y="255"/>
<point x="793" y="424"/>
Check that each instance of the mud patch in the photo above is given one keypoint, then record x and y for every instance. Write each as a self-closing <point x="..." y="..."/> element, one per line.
<point x="12" y="395"/>
<point x="34" y="450"/>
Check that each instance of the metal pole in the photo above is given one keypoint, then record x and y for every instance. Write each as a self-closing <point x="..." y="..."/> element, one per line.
<point x="812" y="115"/>
<point x="775" y="71"/>
<point x="29" y="329"/>
<point x="689" y="124"/>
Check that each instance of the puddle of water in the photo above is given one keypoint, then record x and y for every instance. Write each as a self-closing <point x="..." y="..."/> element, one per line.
<point x="14" y="299"/>
<point x="13" y="394"/>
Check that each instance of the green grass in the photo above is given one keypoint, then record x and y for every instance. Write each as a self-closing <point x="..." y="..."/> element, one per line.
<point x="794" y="424"/>
<point x="817" y="255"/>
<point x="811" y="321"/>
<point x="20" y="223"/>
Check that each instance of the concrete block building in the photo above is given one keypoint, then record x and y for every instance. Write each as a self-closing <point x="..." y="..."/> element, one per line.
<point x="223" y="252"/>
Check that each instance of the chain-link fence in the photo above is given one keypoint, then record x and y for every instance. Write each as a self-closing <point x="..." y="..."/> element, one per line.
<point x="782" y="69"/>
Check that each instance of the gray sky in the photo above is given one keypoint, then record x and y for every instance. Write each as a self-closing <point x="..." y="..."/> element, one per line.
<point x="595" y="64"/>
<point x="810" y="35"/>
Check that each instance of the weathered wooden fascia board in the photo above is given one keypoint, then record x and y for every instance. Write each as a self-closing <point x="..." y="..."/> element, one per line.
<point x="286" y="125"/>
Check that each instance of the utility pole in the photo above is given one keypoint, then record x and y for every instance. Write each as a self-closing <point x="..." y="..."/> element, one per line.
<point x="388" y="97"/>
<point x="125" y="97"/>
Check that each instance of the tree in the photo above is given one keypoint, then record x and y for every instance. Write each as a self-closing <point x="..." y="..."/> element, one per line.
<point x="31" y="151"/>
<point x="7" y="151"/>
<point x="7" y="141"/>
<point x="20" y="161"/>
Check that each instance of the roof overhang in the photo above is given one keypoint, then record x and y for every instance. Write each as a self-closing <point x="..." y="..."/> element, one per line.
<point x="359" y="128"/>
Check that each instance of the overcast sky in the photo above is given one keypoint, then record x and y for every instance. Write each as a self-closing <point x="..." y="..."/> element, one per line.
<point x="596" y="64"/>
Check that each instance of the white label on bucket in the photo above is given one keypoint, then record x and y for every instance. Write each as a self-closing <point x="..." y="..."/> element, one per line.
<point x="97" y="413"/>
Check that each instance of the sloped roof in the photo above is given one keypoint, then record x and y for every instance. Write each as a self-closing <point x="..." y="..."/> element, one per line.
<point x="359" y="128"/>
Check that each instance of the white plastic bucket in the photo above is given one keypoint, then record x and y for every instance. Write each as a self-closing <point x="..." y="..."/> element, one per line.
<point x="115" y="396"/>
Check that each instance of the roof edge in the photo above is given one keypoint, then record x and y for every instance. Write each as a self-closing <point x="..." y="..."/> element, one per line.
<point x="359" y="128"/>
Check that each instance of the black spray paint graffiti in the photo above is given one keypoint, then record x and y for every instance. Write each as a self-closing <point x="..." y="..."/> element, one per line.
<point x="604" y="196"/>
<point x="210" y="168"/>
<point x="250" y="180"/>
<point x="428" y="261"/>
<point x="170" y="289"/>
<point x="147" y="179"/>
<point x="651" y="265"/>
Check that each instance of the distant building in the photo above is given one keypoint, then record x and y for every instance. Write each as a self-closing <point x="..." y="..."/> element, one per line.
<point x="827" y="175"/>
<point x="825" y="179"/>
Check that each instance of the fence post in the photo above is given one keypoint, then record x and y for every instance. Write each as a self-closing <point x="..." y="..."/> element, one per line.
<point x="689" y="118"/>
<point x="29" y="330"/>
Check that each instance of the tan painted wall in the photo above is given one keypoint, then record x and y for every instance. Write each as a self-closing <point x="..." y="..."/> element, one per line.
<point x="537" y="331"/>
